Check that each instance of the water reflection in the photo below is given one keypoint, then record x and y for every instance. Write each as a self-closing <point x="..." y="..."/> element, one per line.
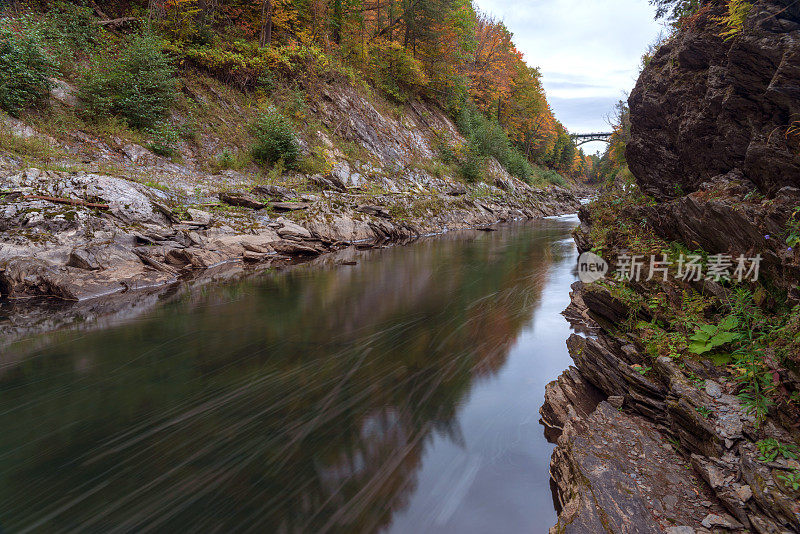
<point x="301" y="402"/>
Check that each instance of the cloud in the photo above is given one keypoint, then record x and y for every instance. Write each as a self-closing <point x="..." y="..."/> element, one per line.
<point x="586" y="114"/>
<point x="588" y="51"/>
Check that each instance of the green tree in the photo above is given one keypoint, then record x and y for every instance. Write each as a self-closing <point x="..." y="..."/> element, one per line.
<point x="24" y="69"/>
<point x="137" y="84"/>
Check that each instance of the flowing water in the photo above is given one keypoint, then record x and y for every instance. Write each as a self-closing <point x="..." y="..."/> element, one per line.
<point x="397" y="395"/>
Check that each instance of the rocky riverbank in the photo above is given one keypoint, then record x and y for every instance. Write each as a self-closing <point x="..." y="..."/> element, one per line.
<point x="98" y="213"/>
<point x="652" y="438"/>
<point x="681" y="412"/>
<point x="83" y="235"/>
<point x="78" y="235"/>
<point x="95" y="259"/>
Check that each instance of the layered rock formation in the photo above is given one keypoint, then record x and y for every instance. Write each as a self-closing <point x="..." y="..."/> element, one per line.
<point x="117" y="217"/>
<point x="80" y="236"/>
<point x="705" y="106"/>
<point x="672" y="447"/>
<point x="675" y="451"/>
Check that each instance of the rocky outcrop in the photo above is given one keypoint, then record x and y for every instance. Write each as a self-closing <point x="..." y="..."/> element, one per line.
<point x="677" y="450"/>
<point x="394" y="141"/>
<point x="569" y="397"/>
<point x="615" y="474"/>
<point x="711" y="141"/>
<point x="704" y="106"/>
<point x="78" y="236"/>
<point x="726" y="217"/>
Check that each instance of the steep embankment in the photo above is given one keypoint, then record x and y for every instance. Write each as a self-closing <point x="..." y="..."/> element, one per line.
<point x="105" y="215"/>
<point x="699" y="429"/>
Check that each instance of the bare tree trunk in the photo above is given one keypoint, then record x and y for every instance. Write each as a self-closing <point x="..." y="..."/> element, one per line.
<point x="266" y="23"/>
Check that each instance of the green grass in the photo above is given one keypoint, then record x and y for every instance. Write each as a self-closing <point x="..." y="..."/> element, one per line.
<point x="31" y="148"/>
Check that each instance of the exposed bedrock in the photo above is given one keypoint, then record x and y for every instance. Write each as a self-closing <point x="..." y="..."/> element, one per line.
<point x="654" y="447"/>
<point x="705" y="106"/>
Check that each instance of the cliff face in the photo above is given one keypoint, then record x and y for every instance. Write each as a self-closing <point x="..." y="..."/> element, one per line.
<point x="705" y="107"/>
<point x="711" y="140"/>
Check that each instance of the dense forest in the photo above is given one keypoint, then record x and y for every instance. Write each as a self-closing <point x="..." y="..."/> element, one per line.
<point x="123" y="55"/>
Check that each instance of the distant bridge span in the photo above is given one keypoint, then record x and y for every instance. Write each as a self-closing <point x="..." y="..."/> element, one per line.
<point x="581" y="139"/>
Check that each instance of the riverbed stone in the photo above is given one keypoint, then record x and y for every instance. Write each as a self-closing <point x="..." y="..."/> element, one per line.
<point x="289" y="229"/>
<point x="240" y="199"/>
<point x="200" y="217"/>
<point x="722" y="521"/>
<point x="713" y="389"/>
<point x="289" y="206"/>
<point x="613" y="475"/>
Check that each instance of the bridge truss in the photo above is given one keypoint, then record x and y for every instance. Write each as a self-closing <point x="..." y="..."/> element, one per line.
<point x="581" y="139"/>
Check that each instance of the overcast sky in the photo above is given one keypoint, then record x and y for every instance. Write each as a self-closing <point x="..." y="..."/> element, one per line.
<point x="588" y="51"/>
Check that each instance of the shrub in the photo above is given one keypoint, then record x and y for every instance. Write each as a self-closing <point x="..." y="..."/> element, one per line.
<point x="471" y="167"/>
<point x="230" y="62"/>
<point x="136" y="84"/>
<point x="225" y="159"/>
<point x="164" y="139"/>
<point x="317" y="162"/>
<point x="246" y="64"/>
<point x="486" y="137"/>
<point x="491" y="140"/>
<point x="552" y="177"/>
<point x="275" y="140"/>
<point x="295" y="59"/>
<point x="454" y="94"/>
<point x="519" y="166"/>
<point x="24" y="69"/>
<point x="275" y="173"/>
<point x="230" y="159"/>
<point x="69" y="28"/>
<point x="190" y="130"/>
<point x="444" y="150"/>
<point x="267" y="81"/>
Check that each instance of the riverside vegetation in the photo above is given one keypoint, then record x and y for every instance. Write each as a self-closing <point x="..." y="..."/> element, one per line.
<point x="141" y="142"/>
<point x="700" y="374"/>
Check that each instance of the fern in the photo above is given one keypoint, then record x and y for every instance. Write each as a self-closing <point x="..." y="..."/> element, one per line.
<point x="791" y="479"/>
<point x="738" y="10"/>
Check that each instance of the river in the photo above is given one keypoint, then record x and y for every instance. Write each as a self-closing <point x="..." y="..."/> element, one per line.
<point x="399" y="394"/>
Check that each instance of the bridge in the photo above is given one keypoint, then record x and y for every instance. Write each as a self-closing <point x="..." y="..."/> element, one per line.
<point x="582" y="139"/>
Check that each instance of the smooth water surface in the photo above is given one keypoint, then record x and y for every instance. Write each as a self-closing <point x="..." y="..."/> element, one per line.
<point x="400" y="395"/>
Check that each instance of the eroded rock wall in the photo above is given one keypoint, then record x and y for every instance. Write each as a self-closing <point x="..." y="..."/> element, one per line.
<point x="705" y="106"/>
<point x="711" y="141"/>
